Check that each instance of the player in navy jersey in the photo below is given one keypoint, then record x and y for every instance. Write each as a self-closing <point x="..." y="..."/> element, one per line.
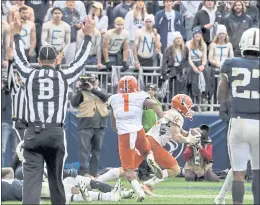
<point x="241" y="76"/>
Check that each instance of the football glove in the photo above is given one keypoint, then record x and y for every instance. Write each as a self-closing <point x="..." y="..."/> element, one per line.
<point x="193" y="139"/>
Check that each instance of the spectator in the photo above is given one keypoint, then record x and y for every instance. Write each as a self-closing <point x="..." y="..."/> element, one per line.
<point x="101" y="20"/>
<point x="80" y="7"/>
<point x="188" y="10"/>
<point x="223" y="7"/>
<point x="149" y="120"/>
<point x="199" y="159"/>
<point x="16" y="7"/>
<point x="220" y="49"/>
<point x="40" y="9"/>
<point x="134" y="20"/>
<point x="166" y="22"/>
<point x="72" y="17"/>
<point x="28" y="34"/>
<point x="95" y="55"/>
<point x="123" y="8"/>
<point x="5" y="49"/>
<point x="236" y="23"/>
<point x="116" y="42"/>
<point x="56" y="32"/>
<point x="7" y="122"/>
<point x="175" y="65"/>
<point x="109" y="11"/>
<point x="147" y="44"/>
<point x="152" y="7"/>
<point x="92" y="119"/>
<point x="253" y="12"/>
<point x="207" y="19"/>
<point x="197" y="60"/>
<point x="5" y="7"/>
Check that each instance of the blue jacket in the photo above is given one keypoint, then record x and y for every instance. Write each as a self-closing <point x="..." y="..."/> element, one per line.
<point x="161" y="24"/>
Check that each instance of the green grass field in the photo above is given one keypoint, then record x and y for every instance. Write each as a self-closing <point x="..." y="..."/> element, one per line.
<point x="177" y="191"/>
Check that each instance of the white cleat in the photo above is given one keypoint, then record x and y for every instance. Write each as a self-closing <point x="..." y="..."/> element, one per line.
<point x="83" y="188"/>
<point x="219" y="200"/>
<point x="155" y="168"/>
<point x="127" y="194"/>
<point x="140" y="196"/>
<point x="116" y="192"/>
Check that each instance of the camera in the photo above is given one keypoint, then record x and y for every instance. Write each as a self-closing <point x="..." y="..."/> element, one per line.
<point x="87" y="80"/>
<point x="205" y="134"/>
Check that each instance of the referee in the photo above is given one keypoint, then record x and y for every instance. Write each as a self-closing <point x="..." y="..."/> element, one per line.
<point x="46" y="91"/>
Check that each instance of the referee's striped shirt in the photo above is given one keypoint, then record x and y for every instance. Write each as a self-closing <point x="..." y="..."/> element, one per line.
<point x="46" y="89"/>
<point x="19" y="104"/>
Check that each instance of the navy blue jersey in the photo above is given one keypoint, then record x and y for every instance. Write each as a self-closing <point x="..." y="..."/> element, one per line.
<point x="12" y="190"/>
<point x="243" y="78"/>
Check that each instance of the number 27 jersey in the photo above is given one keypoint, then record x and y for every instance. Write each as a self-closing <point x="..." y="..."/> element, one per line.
<point x="128" y="111"/>
<point x="243" y="77"/>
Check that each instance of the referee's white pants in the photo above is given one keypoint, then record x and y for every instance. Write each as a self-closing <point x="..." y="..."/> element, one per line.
<point x="71" y="52"/>
<point x="243" y="143"/>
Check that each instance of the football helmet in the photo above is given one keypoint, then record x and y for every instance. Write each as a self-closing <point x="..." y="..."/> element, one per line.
<point x="249" y="40"/>
<point x="183" y="104"/>
<point x="128" y="84"/>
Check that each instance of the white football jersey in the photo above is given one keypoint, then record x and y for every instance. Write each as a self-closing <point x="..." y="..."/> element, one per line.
<point x="170" y="116"/>
<point x="128" y="111"/>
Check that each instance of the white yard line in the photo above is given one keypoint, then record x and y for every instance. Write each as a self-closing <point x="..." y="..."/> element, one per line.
<point x="195" y="196"/>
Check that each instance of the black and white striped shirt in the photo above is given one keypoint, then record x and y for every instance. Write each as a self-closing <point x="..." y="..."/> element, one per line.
<point x="19" y="104"/>
<point x="46" y="88"/>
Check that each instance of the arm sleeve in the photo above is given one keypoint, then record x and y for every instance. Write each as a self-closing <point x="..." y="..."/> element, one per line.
<point x="73" y="71"/>
<point x="207" y="152"/>
<point x="101" y="94"/>
<point x="77" y="99"/>
<point x="187" y="153"/>
<point x="23" y="66"/>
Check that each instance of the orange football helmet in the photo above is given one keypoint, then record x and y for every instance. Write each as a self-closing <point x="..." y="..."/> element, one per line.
<point x="128" y="84"/>
<point x="183" y="104"/>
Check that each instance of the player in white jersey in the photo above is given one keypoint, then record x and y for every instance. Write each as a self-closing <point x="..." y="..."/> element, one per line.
<point x="126" y="116"/>
<point x="181" y="107"/>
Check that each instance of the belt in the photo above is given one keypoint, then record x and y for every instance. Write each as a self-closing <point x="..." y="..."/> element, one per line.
<point x="46" y="125"/>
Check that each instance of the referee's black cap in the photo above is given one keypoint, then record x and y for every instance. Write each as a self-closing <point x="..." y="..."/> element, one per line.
<point x="47" y="53"/>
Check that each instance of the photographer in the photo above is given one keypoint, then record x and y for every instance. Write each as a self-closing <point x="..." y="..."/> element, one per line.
<point x="92" y="119"/>
<point x="198" y="159"/>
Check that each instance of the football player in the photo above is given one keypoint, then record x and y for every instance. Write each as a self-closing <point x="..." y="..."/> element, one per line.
<point x="126" y="118"/>
<point x="180" y="107"/>
<point x="241" y="76"/>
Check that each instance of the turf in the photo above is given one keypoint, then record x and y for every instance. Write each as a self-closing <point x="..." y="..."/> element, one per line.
<point x="177" y="191"/>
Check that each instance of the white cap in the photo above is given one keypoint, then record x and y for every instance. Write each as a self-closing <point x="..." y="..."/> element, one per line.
<point x="221" y="29"/>
<point x="149" y="17"/>
<point x="176" y="34"/>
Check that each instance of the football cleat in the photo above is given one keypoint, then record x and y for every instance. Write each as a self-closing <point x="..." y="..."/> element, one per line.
<point x="116" y="192"/>
<point x="219" y="200"/>
<point x="147" y="189"/>
<point x="155" y="168"/>
<point x="127" y="194"/>
<point x="140" y="196"/>
<point x="83" y="188"/>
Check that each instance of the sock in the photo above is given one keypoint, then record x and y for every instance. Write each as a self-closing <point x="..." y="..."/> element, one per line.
<point x="136" y="186"/>
<point x="255" y="186"/>
<point x="238" y="191"/>
<point x="96" y="196"/>
<point x="77" y="197"/>
<point x="100" y="186"/>
<point x="227" y="186"/>
<point x="110" y="175"/>
<point x="155" y="180"/>
<point x="69" y="198"/>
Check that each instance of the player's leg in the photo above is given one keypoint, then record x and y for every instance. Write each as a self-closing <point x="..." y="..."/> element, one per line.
<point x="113" y="173"/>
<point x="253" y="139"/>
<point x="239" y="152"/>
<point x="211" y="176"/>
<point x="144" y="147"/>
<point x="165" y="160"/>
<point x="127" y="155"/>
<point x="226" y="187"/>
<point x="190" y="175"/>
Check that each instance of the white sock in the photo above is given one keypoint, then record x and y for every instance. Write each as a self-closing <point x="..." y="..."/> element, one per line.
<point x="227" y="186"/>
<point x="155" y="180"/>
<point x="77" y="197"/>
<point x="99" y="196"/>
<point x="110" y="175"/>
<point x="136" y="185"/>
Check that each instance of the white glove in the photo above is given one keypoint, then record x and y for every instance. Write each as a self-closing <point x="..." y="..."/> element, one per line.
<point x="19" y="151"/>
<point x="193" y="139"/>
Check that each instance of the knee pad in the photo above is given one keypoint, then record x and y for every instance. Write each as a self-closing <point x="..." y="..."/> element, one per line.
<point x="175" y="171"/>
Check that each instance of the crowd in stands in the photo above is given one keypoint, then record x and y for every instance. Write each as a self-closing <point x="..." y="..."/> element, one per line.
<point x="194" y="37"/>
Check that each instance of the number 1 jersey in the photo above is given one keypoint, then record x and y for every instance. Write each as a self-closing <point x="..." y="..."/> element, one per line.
<point x="128" y="111"/>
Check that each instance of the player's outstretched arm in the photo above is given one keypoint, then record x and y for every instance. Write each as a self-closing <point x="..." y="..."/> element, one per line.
<point x="151" y="104"/>
<point x="181" y="136"/>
